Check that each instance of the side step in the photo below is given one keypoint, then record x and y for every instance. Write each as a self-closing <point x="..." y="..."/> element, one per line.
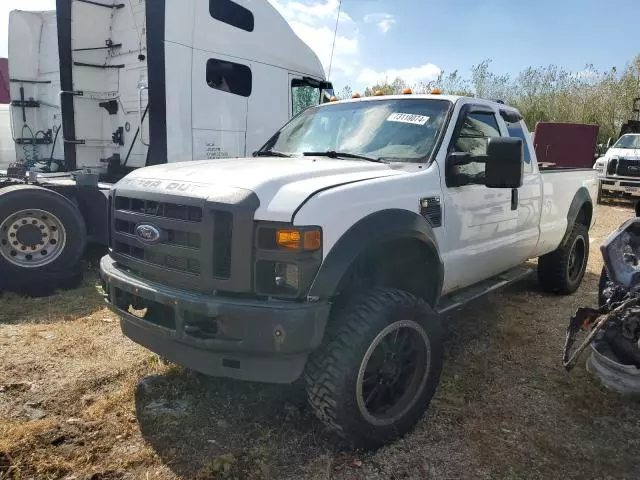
<point x="461" y="297"/>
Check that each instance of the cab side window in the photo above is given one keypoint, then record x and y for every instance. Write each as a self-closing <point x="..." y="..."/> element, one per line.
<point x="229" y="77"/>
<point x="476" y="128"/>
<point x="303" y="96"/>
<point x="232" y="14"/>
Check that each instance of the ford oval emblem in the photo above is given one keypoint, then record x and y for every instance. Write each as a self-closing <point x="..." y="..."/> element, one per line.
<point x="148" y="233"/>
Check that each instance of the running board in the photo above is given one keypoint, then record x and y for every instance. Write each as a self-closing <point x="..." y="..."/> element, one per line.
<point x="461" y="297"/>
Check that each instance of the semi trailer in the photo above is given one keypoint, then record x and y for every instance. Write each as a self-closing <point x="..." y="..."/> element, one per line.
<point x="101" y="88"/>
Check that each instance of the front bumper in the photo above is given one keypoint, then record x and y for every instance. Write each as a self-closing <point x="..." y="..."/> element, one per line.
<point x="266" y="341"/>
<point x="625" y="186"/>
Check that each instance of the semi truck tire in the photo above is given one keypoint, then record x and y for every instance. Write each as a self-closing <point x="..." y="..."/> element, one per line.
<point x="42" y="239"/>
<point x="378" y="369"/>
<point x="562" y="270"/>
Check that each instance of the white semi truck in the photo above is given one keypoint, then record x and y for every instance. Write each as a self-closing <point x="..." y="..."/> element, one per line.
<point x="100" y="88"/>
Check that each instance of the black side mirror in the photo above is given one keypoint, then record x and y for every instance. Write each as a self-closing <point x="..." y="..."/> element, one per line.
<point x="504" y="164"/>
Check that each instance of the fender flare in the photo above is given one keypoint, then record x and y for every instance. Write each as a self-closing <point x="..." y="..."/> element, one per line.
<point x="374" y="229"/>
<point x="580" y="199"/>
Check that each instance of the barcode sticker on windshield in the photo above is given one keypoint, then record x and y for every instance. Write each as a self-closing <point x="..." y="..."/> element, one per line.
<point x="408" y="118"/>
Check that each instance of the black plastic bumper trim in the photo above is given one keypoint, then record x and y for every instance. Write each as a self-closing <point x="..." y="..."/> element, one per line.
<point x="277" y="335"/>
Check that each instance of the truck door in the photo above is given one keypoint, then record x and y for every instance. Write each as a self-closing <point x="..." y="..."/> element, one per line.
<point x="221" y="87"/>
<point x="529" y="194"/>
<point x="268" y="108"/>
<point x="482" y="223"/>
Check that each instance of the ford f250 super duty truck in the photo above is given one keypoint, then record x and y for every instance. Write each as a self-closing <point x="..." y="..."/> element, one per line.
<point x="332" y="252"/>
<point x="619" y="169"/>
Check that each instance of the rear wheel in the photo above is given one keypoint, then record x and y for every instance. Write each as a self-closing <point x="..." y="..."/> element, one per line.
<point x="562" y="270"/>
<point x="374" y="377"/>
<point x="42" y="238"/>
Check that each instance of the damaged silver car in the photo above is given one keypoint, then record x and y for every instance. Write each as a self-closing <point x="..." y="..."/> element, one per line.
<point x="613" y="329"/>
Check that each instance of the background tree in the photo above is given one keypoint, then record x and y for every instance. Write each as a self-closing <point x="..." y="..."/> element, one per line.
<point x="546" y="93"/>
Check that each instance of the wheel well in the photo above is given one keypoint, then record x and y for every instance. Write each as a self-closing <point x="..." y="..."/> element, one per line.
<point x="407" y="264"/>
<point x="585" y="214"/>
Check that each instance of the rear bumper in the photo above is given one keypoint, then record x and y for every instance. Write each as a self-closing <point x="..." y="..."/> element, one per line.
<point x="266" y="341"/>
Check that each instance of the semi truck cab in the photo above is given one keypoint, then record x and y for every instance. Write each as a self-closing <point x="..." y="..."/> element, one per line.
<point x="101" y="88"/>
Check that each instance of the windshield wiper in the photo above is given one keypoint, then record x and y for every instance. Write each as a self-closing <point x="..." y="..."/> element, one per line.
<point x="270" y="153"/>
<point x="334" y="154"/>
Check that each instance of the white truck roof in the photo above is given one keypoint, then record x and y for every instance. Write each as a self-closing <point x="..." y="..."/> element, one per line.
<point x="451" y="98"/>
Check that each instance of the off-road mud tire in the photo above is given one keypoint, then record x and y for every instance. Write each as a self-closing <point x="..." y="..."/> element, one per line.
<point x="332" y="372"/>
<point x="554" y="268"/>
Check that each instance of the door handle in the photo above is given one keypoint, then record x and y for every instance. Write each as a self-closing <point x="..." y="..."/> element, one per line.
<point x="514" y="199"/>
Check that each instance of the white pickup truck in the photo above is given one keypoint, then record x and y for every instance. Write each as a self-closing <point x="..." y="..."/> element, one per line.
<point x="331" y="253"/>
<point x="619" y="169"/>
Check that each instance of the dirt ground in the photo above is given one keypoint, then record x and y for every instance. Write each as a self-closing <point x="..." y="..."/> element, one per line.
<point x="78" y="400"/>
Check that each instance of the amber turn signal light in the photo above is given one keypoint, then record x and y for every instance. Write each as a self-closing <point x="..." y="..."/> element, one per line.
<point x="296" y="240"/>
<point x="312" y="240"/>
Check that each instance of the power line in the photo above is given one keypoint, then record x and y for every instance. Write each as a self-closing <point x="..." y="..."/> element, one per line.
<point x="335" y="31"/>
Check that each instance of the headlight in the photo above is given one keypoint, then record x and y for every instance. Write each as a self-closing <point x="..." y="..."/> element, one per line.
<point x="285" y="276"/>
<point x="287" y="259"/>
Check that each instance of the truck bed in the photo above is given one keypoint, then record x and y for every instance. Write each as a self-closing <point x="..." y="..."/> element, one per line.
<point x="559" y="187"/>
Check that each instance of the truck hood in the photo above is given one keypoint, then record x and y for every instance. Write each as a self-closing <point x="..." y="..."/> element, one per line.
<point x="630" y="153"/>
<point x="281" y="184"/>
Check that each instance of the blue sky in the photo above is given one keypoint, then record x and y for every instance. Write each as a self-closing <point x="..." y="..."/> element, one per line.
<point x="417" y="38"/>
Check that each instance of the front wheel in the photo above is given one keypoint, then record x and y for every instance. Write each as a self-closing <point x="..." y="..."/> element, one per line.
<point x="375" y="376"/>
<point x="562" y="270"/>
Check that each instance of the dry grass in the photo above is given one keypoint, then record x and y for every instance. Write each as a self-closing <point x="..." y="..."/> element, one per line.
<point x="78" y="400"/>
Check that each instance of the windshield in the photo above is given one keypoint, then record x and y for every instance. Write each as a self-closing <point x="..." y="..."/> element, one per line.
<point x="628" y="141"/>
<point x="403" y="130"/>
